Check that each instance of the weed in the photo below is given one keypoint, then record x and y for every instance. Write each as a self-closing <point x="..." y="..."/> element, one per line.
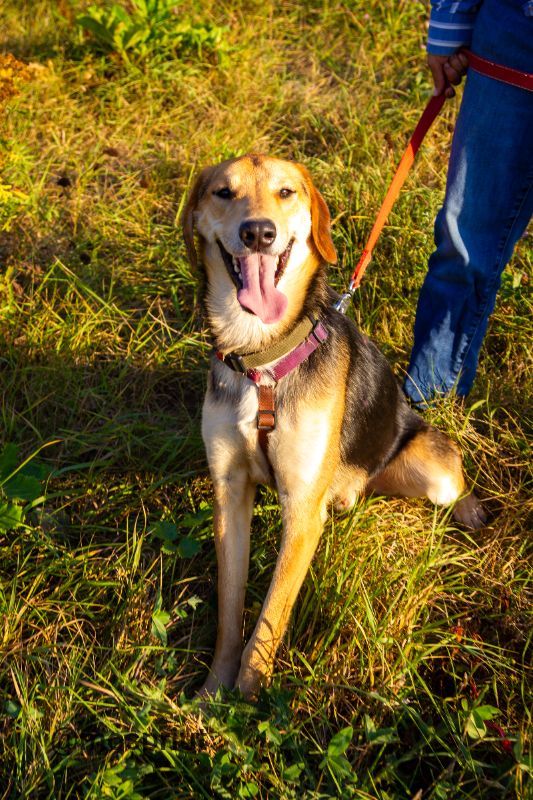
<point x="152" y="30"/>
<point x="20" y="487"/>
<point x="13" y="73"/>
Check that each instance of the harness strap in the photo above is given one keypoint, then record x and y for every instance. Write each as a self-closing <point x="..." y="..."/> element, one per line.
<point x="266" y="418"/>
<point x="315" y="333"/>
<point x="266" y="413"/>
<point x="301" y="353"/>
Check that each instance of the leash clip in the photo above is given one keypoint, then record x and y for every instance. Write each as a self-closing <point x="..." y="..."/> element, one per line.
<point x="343" y="302"/>
<point x="345" y="299"/>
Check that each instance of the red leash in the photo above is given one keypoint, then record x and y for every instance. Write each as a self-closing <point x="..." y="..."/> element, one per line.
<point x="514" y="77"/>
<point x="523" y="80"/>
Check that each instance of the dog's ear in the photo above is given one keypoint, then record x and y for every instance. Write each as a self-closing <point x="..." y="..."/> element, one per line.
<point x="320" y="220"/>
<point x="187" y="218"/>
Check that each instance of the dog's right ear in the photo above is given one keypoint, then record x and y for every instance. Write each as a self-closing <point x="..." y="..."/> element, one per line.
<point x="187" y="218"/>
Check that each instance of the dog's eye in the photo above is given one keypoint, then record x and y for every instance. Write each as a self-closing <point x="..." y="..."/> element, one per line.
<point x="285" y="192"/>
<point x="224" y="193"/>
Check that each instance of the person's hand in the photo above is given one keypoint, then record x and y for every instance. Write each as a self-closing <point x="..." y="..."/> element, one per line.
<point x="447" y="70"/>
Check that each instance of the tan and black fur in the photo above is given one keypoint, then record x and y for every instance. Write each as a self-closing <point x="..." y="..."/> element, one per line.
<point x="343" y="427"/>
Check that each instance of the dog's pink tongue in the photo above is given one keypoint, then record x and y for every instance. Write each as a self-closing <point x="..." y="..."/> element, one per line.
<point x="258" y="293"/>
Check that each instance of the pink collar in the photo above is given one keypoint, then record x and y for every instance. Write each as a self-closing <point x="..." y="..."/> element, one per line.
<point x="282" y="366"/>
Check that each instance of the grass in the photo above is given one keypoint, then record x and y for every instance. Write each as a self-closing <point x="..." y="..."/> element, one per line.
<point x="406" y="670"/>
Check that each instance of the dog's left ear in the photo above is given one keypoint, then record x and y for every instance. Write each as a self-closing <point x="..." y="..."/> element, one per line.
<point x="187" y="218"/>
<point x="320" y="221"/>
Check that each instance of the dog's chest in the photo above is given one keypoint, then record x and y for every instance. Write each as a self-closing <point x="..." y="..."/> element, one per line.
<point x="246" y="410"/>
<point x="299" y="448"/>
<point x="229" y="424"/>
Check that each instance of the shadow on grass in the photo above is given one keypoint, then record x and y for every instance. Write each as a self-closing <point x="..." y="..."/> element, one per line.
<point x="108" y="412"/>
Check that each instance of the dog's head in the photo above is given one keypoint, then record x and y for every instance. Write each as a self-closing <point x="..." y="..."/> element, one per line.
<point x="263" y="228"/>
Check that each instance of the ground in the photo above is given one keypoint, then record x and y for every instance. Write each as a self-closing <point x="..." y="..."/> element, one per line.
<point x="406" y="669"/>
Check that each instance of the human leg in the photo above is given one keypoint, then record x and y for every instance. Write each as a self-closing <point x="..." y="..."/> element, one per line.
<point x="488" y="204"/>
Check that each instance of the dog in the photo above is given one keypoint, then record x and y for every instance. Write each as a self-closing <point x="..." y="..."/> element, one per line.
<point x="298" y="398"/>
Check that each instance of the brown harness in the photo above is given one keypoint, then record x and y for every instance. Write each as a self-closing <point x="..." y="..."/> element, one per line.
<point x="275" y="362"/>
<point x="266" y="417"/>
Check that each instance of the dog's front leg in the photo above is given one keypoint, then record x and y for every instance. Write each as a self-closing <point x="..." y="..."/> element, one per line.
<point x="233" y="507"/>
<point x="303" y="520"/>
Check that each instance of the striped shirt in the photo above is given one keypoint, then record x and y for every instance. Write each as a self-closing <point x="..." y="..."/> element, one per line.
<point x="451" y="23"/>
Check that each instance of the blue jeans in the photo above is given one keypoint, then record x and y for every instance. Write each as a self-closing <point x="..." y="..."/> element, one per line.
<point x="487" y="207"/>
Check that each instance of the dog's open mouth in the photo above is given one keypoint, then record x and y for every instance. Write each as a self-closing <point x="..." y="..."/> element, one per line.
<point x="256" y="277"/>
<point x="233" y="263"/>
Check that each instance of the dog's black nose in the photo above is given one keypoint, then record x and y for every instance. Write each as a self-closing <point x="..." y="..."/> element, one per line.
<point x="257" y="234"/>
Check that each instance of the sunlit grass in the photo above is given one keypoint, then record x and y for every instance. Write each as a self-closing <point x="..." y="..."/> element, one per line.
<point x="405" y="625"/>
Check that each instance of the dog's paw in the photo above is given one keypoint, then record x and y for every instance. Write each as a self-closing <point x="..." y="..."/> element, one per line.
<point x="222" y="674"/>
<point x="470" y="513"/>
<point x="344" y="503"/>
<point x="250" y="681"/>
<point x="205" y="693"/>
<point x="216" y="680"/>
<point x="209" y="695"/>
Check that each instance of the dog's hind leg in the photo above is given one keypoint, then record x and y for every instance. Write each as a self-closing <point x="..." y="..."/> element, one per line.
<point x="430" y="465"/>
<point x="233" y="507"/>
